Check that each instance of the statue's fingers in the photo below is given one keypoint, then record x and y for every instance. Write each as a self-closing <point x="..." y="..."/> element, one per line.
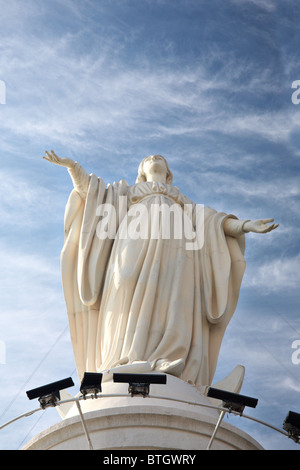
<point x="50" y="156"/>
<point x="267" y="221"/>
<point x="47" y="156"/>
<point x="265" y="228"/>
<point x="272" y="227"/>
<point x="55" y="157"/>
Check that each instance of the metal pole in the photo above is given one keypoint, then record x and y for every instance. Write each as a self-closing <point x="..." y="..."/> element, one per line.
<point x="215" y="430"/>
<point x="84" y="425"/>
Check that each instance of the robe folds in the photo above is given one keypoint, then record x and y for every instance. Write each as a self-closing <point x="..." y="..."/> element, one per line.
<point x="132" y="299"/>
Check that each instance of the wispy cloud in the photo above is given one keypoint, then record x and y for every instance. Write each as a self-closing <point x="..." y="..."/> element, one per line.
<point x="86" y="88"/>
<point x="290" y="384"/>
<point x="277" y="275"/>
<point x="23" y="200"/>
<point x="268" y="5"/>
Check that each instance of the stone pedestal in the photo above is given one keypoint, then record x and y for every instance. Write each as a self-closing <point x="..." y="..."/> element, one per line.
<point x="163" y="421"/>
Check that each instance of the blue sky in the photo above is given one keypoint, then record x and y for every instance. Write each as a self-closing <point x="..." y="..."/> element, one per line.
<point x="207" y="84"/>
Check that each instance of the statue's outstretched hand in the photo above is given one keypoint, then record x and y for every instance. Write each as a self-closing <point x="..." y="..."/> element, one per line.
<point x="53" y="158"/>
<point x="260" y="226"/>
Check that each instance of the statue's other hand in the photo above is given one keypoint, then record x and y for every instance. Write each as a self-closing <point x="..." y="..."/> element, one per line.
<point x="53" y="158"/>
<point x="260" y="226"/>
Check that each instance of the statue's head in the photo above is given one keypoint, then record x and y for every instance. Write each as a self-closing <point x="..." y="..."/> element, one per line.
<point x="142" y="171"/>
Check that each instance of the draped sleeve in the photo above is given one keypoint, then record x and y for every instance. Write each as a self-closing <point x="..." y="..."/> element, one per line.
<point x="222" y="266"/>
<point x="84" y="259"/>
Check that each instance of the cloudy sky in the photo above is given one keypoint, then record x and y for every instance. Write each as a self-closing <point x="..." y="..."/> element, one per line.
<point x="207" y="84"/>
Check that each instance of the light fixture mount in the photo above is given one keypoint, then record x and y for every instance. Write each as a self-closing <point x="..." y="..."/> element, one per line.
<point x="49" y="395"/>
<point x="139" y="384"/>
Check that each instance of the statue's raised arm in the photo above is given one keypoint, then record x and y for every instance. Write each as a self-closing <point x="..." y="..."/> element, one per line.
<point x="53" y="158"/>
<point x="79" y="176"/>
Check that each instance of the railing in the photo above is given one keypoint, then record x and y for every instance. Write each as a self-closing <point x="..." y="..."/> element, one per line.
<point x="77" y="400"/>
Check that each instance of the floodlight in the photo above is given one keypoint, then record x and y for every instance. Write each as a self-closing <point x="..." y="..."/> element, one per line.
<point x="291" y="424"/>
<point x="49" y="395"/>
<point x="91" y="384"/>
<point x="232" y="401"/>
<point x="139" y="384"/>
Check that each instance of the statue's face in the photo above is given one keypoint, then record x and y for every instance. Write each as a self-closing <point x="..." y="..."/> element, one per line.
<point x="155" y="164"/>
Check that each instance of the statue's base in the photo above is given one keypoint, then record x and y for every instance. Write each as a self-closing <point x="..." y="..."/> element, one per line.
<point x="164" y="421"/>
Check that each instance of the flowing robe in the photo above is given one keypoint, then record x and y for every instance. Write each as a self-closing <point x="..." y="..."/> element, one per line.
<point x="132" y="299"/>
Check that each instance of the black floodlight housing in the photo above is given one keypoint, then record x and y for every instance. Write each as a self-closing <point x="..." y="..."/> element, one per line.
<point x="232" y="401"/>
<point x="291" y="424"/>
<point x="91" y="384"/>
<point x="49" y="395"/>
<point x="139" y="384"/>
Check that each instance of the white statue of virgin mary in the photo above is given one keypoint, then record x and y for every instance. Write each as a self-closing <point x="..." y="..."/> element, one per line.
<point x="147" y="300"/>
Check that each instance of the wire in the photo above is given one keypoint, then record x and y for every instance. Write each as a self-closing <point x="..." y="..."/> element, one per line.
<point x="272" y="307"/>
<point x="24" y="415"/>
<point x="34" y="371"/>
<point x="31" y="429"/>
<point x="267" y="349"/>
